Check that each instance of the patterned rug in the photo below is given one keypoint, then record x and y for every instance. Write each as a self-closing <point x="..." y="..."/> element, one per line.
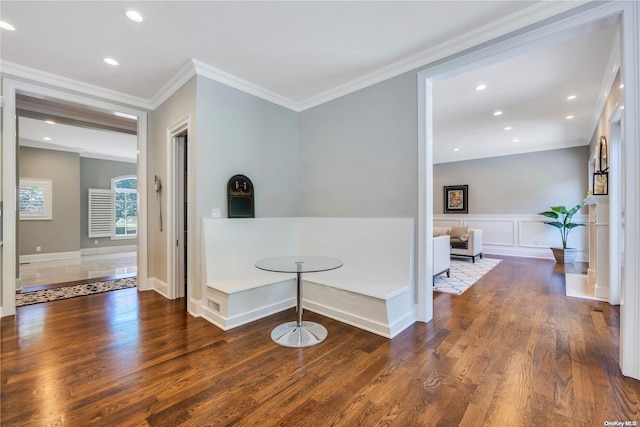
<point x="47" y="295"/>
<point x="464" y="273"/>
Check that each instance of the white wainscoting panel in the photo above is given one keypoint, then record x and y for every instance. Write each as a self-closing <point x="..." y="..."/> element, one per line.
<point x="495" y="232"/>
<point x="523" y="235"/>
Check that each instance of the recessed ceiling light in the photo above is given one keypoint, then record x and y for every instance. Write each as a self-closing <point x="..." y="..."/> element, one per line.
<point x="497" y="113"/>
<point x="134" y="15"/>
<point x="480" y="87"/>
<point x="515" y="140"/>
<point x="6" y="26"/>
<point x="51" y="122"/>
<point x="46" y="138"/>
<point x="111" y="61"/>
<point x="508" y="128"/>
<point x="569" y="117"/>
<point x="571" y="97"/>
<point x="621" y="86"/>
<point x="456" y="149"/>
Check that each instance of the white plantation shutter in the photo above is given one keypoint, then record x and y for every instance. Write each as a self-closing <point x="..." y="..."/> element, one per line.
<point x="102" y="213"/>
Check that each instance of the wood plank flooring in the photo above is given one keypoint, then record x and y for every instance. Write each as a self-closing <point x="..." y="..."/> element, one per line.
<point x="512" y="350"/>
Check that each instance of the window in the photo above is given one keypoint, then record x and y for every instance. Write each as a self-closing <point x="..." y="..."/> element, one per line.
<point x="126" y="206"/>
<point x="35" y="199"/>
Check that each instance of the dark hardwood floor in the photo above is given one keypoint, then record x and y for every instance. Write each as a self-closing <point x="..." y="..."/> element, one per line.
<point x="512" y="350"/>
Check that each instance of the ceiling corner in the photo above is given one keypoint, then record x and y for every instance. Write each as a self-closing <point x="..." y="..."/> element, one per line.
<point x="235" y="82"/>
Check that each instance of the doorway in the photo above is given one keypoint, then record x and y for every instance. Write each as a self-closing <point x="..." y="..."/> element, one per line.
<point x="179" y="206"/>
<point x="74" y="149"/>
<point x="11" y="90"/>
<point x="623" y="13"/>
<point x="181" y="209"/>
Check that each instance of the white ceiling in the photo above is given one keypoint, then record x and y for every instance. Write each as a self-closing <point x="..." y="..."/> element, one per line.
<point x="531" y="90"/>
<point x="94" y="143"/>
<point x="304" y="53"/>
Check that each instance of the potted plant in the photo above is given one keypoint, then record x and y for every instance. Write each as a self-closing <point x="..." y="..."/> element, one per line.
<point x="562" y="221"/>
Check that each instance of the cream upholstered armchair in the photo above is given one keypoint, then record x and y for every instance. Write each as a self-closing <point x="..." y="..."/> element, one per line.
<point x="441" y="256"/>
<point x="465" y="241"/>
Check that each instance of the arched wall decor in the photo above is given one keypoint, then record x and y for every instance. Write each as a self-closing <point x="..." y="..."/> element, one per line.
<point x="240" y="202"/>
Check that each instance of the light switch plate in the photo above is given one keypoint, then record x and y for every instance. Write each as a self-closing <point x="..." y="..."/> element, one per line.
<point x="216" y="213"/>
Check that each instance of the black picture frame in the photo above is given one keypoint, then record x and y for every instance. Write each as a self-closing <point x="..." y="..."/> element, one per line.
<point x="456" y="199"/>
<point x="600" y="183"/>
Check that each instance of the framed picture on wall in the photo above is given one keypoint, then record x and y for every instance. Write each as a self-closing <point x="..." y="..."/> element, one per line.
<point x="456" y="199"/>
<point x="600" y="183"/>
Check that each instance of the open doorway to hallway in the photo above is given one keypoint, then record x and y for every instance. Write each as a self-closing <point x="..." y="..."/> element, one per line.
<point x="77" y="151"/>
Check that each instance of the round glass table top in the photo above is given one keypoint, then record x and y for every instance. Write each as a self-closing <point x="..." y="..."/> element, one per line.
<point x="299" y="264"/>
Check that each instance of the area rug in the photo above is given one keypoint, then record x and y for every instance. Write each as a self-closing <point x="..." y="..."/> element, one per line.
<point x="464" y="273"/>
<point x="35" y="297"/>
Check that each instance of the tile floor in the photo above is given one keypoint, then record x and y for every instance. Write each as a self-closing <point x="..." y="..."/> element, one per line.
<point x="68" y="270"/>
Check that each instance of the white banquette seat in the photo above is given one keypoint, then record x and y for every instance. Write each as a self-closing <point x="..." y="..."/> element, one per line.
<point x="373" y="290"/>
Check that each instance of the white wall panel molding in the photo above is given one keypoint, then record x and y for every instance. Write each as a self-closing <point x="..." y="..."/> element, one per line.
<point x="523" y="235"/>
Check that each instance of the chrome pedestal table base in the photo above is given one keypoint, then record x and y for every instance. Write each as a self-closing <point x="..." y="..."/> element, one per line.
<point x="299" y="334"/>
<point x="291" y="335"/>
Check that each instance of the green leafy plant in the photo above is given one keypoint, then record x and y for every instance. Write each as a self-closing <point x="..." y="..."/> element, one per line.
<point x="562" y="220"/>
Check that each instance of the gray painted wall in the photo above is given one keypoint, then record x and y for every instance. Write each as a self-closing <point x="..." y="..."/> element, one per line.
<point x="242" y="134"/>
<point x="95" y="173"/>
<point x="358" y="153"/>
<point x="181" y="104"/>
<point x="518" y="184"/>
<point x="61" y="234"/>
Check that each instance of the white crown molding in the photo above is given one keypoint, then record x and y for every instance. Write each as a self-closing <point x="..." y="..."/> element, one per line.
<point x="23" y="72"/>
<point x="223" y="77"/>
<point x="501" y="27"/>
<point x="183" y="75"/>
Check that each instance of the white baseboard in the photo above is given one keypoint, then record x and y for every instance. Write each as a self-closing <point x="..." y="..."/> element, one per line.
<point x="158" y="285"/>
<point x="108" y="250"/>
<point x="195" y="307"/>
<point x="55" y="256"/>
<point x="527" y="252"/>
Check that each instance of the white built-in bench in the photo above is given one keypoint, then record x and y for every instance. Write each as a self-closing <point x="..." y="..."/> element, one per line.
<point x="373" y="290"/>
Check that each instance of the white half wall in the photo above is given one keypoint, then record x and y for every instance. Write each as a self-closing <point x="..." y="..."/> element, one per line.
<point x="522" y="235"/>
